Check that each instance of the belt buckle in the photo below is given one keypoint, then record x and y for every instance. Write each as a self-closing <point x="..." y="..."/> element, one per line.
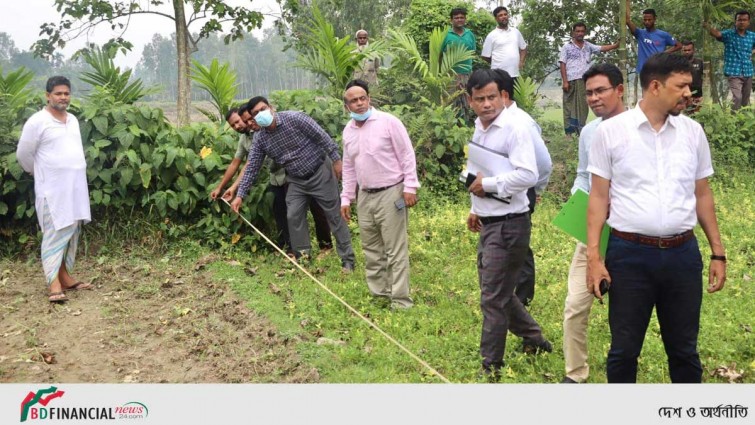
<point x="665" y="243"/>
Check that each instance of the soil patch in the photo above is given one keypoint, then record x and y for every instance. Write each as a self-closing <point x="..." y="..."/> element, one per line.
<point x="149" y="321"/>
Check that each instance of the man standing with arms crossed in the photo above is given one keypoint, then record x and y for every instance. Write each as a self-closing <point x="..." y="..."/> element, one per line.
<point x="504" y="227"/>
<point x="650" y="40"/>
<point x="574" y="59"/>
<point x="604" y="93"/>
<point x="50" y="149"/>
<point x="738" y="49"/>
<point x="504" y="48"/>
<point x="656" y="163"/>
<point x="378" y="158"/>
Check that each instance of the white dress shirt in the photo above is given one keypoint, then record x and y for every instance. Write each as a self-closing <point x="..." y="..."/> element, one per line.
<point x="53" y="152"/>
<point x="508" y="135"/>
<point x="652" y="174"/>
<point x="502" y="47"/>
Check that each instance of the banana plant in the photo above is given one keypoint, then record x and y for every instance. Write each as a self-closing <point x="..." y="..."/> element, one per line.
<point x="436" y="72"/>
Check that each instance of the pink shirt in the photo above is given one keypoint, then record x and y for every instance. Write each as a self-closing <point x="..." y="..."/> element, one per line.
<point x="377" y="154"/>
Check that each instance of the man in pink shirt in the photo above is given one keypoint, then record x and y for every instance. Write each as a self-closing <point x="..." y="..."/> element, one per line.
<point x="378" y="159"/>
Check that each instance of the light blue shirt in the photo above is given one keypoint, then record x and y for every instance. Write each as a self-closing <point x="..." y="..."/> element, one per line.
<point x="582" y="181"/>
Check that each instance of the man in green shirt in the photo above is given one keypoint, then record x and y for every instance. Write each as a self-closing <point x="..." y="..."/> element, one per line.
<point x="458" y="34"/>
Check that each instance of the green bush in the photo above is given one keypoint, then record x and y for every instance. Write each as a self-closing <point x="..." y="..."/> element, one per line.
<point x="731" y="135"/>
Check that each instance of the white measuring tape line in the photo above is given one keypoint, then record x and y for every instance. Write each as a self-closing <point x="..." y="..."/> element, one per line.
<point x="352" y="309"/>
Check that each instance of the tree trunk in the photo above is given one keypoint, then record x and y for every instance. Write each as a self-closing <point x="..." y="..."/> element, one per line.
<point x="182" y="47"/>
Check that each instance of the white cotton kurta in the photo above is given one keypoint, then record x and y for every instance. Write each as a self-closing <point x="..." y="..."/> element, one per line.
<point x="53" y="151"/>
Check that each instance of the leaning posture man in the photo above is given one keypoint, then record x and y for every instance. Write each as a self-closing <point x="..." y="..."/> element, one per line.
<point x="378" y="158"/>
<point x="504" y="48"/>
<point x="301" y="147"/>
<point x="650" y="40"/>
<point x="656" y="163"/>
<point x="504" y="227"/>
<point x="604" y="93"/>
<point x="50" y="149"/>
<point x="574" y="59"/>
<point x="739" y="43"/>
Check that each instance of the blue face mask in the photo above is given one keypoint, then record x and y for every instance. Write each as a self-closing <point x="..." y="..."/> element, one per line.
<point x="361" y="117"/>
<point x="264" y="118"/>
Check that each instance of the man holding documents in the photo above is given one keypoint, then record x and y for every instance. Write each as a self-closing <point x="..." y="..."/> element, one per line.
<point x="503" y="161"/>
<point x="604" y="90"/>
<point x="378" y="158"/>
<point x="656" y="163"/>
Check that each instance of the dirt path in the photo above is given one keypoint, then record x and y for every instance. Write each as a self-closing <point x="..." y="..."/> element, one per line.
<point x="146" y="321"/>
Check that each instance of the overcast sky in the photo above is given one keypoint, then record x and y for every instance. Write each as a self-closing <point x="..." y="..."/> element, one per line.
<point x="22" y="19"/>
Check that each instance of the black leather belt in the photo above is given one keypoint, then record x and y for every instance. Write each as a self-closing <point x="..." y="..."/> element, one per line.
<point x="666" y="242"/>
<point x="497" y="218"/>
<point x="380" y="189"/>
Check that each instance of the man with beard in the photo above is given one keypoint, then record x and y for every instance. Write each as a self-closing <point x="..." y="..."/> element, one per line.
<point x="50" y="149"/>
<point x="650" y="40"/>
<point x="504" y="48"/>
<point x="574" y="59"/>
<point x="367" y="70"/>
<point x="656" y="163"/>
<point x="696" y="99"/>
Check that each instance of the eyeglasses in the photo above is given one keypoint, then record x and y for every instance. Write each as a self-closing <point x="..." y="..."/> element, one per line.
<point x="598" y="92"/>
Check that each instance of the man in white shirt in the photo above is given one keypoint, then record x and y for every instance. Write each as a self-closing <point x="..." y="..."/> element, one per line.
<point x="656" y="163"/>
<point x="504" y="48"/>
<point x="504" y="227"/>
<point x="50" y="149"/>
<point x="604" y="92"/>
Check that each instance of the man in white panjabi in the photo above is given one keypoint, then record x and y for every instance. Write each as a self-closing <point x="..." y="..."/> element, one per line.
<point x="50" y="149"/>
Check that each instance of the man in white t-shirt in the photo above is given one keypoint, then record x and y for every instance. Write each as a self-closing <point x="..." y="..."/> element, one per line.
<point x="650" y="166"/>
<point x="50" y="149"/>
<point x="504" y="48"/>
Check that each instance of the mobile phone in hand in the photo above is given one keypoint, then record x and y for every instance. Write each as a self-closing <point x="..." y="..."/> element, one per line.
<point x="604" y="287"/>
<point x="400" y="204"/>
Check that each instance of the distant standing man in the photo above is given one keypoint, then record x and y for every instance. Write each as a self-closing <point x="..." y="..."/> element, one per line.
<point x="504" y="227"/>
<point x="378" y="159"/>
<point x="604" y="91"/>
<point x="50" y="149"/>
<point x="368" y="69"/>
<point x="459" y="35"/>
<point x="574" y="59"/>
<point x="277" y="186"/>
<point x="504" y="48"/>
<point x="739" y="43"/>
<point x="650" y="40"/>
<point x="656" y="163"/>
<point x="301" y="147"/>
<point x="688" y="51"/>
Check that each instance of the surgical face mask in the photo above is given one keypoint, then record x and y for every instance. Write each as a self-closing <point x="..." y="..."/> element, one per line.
<point x="264" y="118"/>
<point x="361" y="117"/>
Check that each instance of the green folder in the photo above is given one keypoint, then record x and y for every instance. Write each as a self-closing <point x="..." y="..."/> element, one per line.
<point x="572" y="219"/>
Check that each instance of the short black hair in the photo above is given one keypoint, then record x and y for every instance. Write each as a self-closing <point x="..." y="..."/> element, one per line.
<point x="498" y="9"/>
<point x="231" y="112"/>
<point x="248" y="106"/>
<point x="458" y="11"/>
<point x="611" y="71"/>
<point x="55" y="81"/>
<point x="649" y="12"/>
<point x="579" y="24"/>
<point x="358" y="83"/>
<point x="482" y="77"/>
<point x="688" y="42"/>
<point x="741" y="12"/>
<point x="660" y="66"/>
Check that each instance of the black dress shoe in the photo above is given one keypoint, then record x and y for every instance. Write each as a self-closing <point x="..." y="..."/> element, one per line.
<point x="530" y="347"/>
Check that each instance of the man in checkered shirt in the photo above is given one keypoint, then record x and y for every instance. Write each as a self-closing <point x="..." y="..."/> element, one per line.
<point x="738" y="49"/>
<point x="295" y="142"/>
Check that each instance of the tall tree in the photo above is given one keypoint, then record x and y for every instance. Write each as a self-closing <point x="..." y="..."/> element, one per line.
<point x="80" y="16"/>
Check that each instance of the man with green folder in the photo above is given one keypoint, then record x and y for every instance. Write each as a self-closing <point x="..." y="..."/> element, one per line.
<point x="604" y="89"/>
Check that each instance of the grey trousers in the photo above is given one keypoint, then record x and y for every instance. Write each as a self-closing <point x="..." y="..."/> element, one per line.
<point x="741" y="88"/>
<point x="500" y="255"/>
<point x="323" y="187"/>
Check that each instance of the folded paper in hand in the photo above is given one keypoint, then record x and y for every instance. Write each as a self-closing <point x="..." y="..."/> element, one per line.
<point x="572" y="219"/>
<point x="488" y="162"/>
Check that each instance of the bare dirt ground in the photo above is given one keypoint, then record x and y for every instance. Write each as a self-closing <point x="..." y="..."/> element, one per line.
<point x="145" y="321"/>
